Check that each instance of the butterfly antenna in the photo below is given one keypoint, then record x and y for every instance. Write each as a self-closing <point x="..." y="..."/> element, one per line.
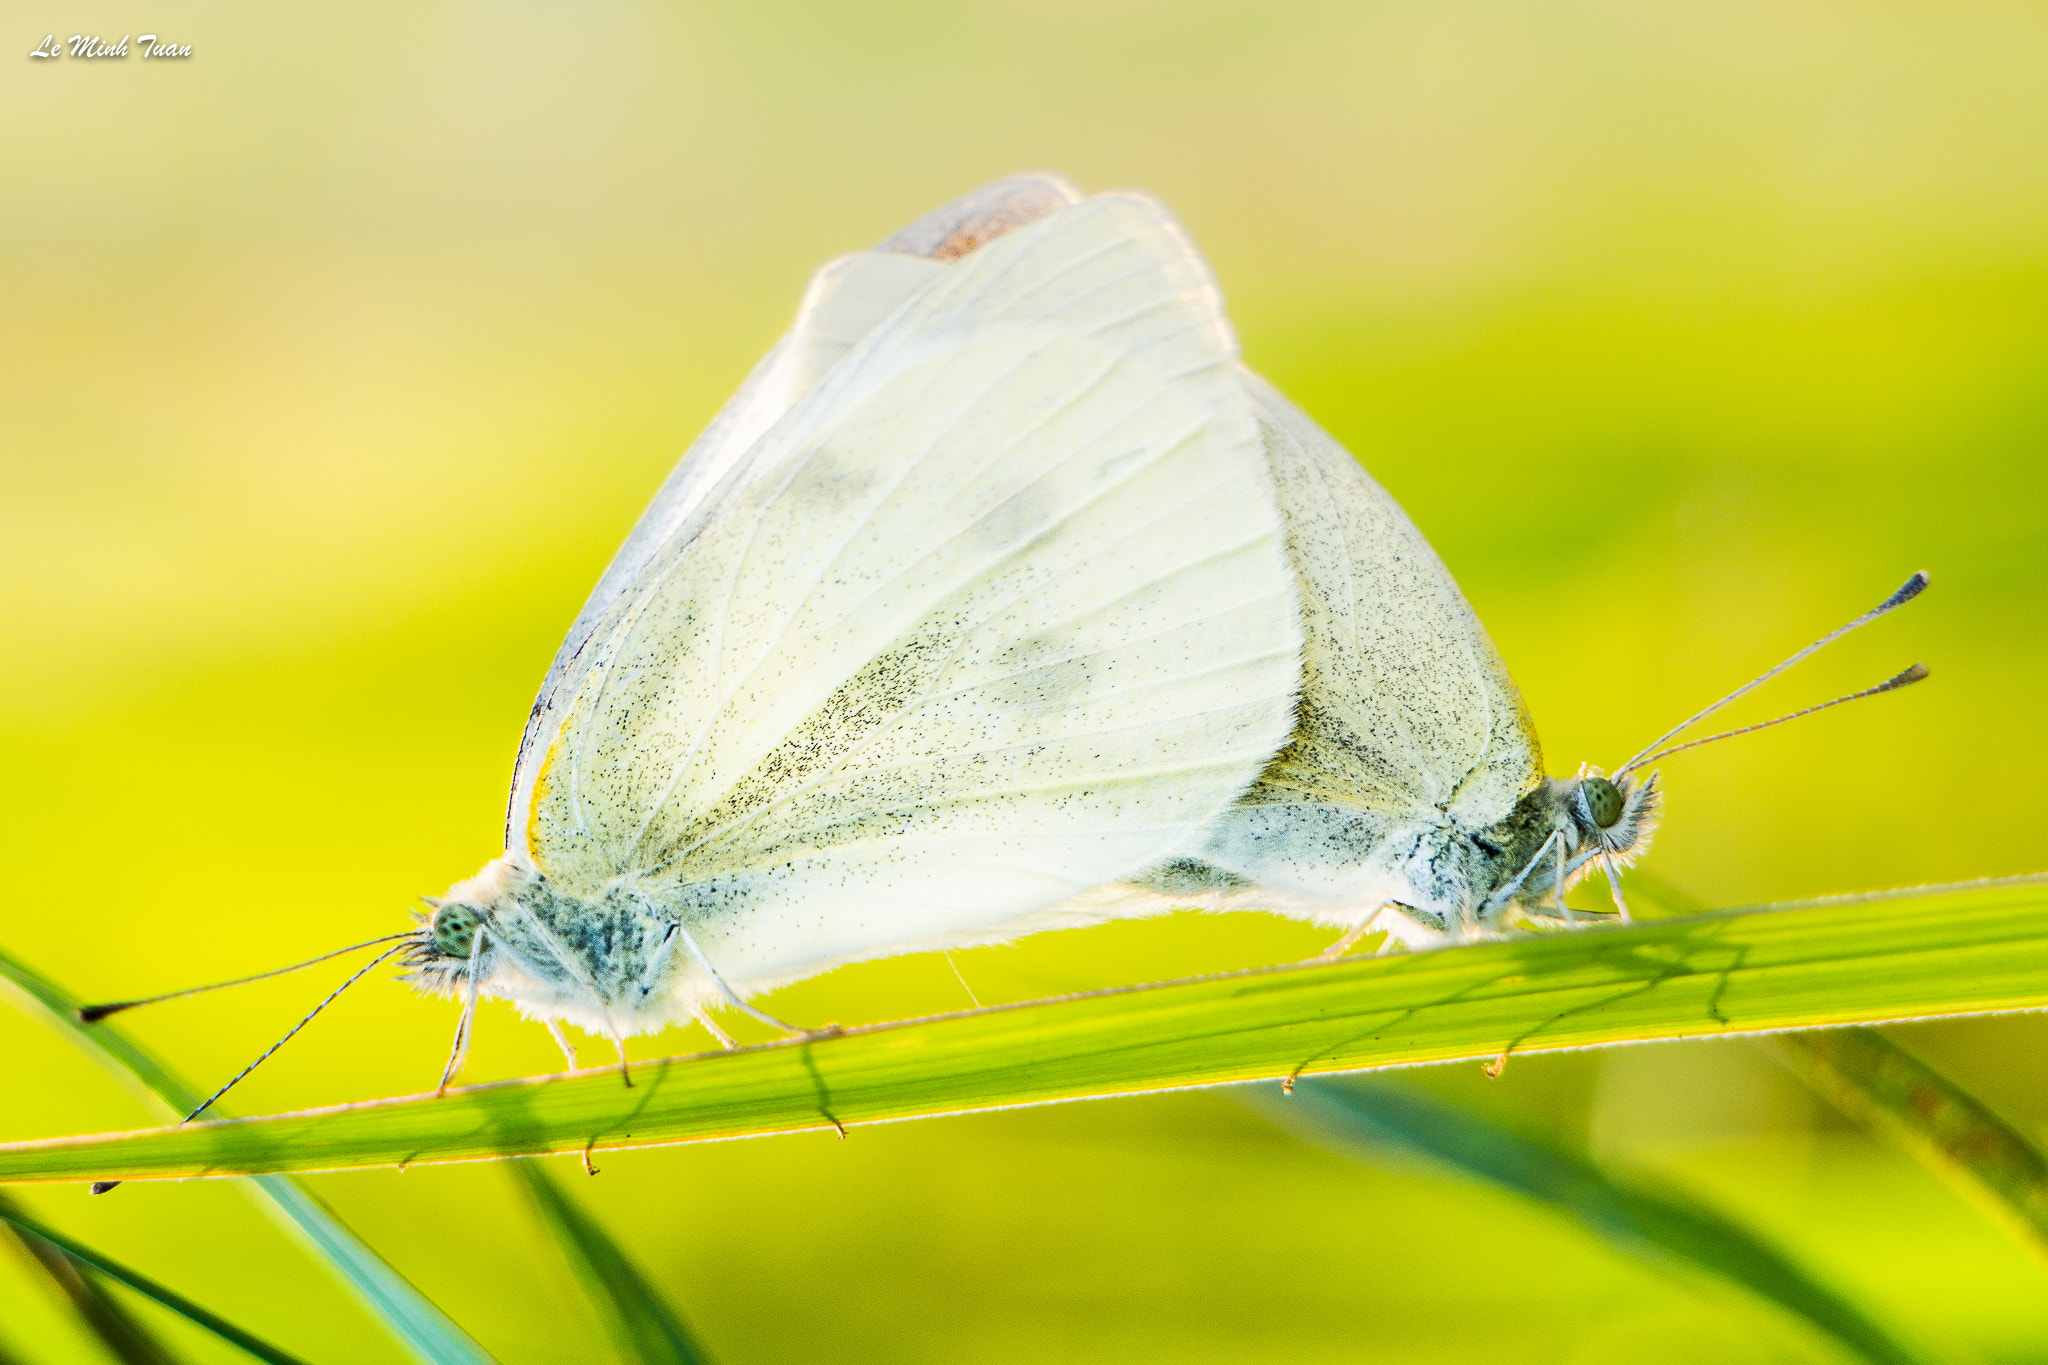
<point x="1911" y="589"/>
<point x="1903" y="678"/>
<point x="361" y="972"/>
<point x="92" y="1014"/>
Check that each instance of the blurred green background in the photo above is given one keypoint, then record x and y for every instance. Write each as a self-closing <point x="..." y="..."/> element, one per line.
<point x="336" y="360"/>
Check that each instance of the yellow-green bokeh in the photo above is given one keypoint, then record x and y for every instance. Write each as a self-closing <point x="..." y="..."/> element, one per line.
<point x="336" y="359"/>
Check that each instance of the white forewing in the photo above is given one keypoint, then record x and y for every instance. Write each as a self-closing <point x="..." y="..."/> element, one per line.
<point x="1002" y="612"/>
<point x="847" y="299"/>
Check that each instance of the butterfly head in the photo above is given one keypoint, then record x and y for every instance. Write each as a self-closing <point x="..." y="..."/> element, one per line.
<point x="604" y="963"/>
<point x="1588" y="822"/>
<point x="455" y="943"/>
<point x="1609" y="817"/>
<point x="1561" y="830"/>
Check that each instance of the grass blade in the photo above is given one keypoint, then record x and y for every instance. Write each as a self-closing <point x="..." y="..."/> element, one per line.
<point x="124" y="1338"/>
<point x="1913" y="1106"/>
<point x="1890" y="1091"/>
<point x="1856" y="959"/>
<point x="149" y="1289"/>
<point x="642" y="1328"/>
<point x="1660" y="1227"/>
<point x="425" y="1330"/>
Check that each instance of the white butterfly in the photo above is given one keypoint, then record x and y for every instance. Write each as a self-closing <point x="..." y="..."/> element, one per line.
<point x="1410" y="797"/>
<point x="974" y="597"/>
<point x="1002" y="598"/>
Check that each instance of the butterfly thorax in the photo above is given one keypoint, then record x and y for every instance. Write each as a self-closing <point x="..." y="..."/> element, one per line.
<point x="604" y="962"/>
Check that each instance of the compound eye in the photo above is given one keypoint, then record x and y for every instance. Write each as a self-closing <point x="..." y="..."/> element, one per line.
<point x="1603" y="801"/>
<point x="454" y="930"/>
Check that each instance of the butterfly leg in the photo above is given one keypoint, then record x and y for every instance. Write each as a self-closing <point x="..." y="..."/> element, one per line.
<point x="1346" y="943"/>
<point x="1614" y="886"/>
<point x="732" y="997"/>
<point x="1407" y="926"/>
<point x="562" y="1042"/>
<point x="455" y="1053"/>
<point x="702" y="1016"/>
<point x="626" y="1071"/>
<point x="462" y="1025"/>
<point x="1562" y="908"/>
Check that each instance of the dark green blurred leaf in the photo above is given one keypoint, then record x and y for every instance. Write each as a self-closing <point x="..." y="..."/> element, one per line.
<point x="1975" y="948"/>
<point x="642" y="1328"/>
<point x="1658" y="1226"/>
<point x="104" y="1316"/>
<point x="1901" y="1098"/>
<point x="147" y="1352"/>
<point x="426" y="1331"/>
<point x="1911" y="1105"/>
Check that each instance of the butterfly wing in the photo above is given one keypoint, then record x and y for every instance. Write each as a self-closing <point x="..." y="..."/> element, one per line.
<point x="1408" y="722"/>
<point x="847" y="299"/>
<point x="1003" y="613"/>
<point x="974" y="220"/>
<point x="1406" y="705"/>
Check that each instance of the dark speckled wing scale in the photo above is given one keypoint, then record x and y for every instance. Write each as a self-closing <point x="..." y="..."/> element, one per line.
<point x="979" y="599"/>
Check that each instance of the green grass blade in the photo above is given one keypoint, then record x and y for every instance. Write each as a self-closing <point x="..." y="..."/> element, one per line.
<point x="124" y="1338"/>
<point x="1913" y="1106"/>
<point x="425" y="1330"/>
<point x="1658" y="1226"/>
<point x="1890" y="1091"/>
<point x="428" y="1333"/>
<point x="643" y="1330"/>
<point x="150" y="1289"/>
<point x="1857" y="959"/>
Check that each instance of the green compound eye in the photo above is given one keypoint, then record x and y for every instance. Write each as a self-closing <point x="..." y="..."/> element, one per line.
<point x="454" y="930"/>
<point x="1603" y="801"/>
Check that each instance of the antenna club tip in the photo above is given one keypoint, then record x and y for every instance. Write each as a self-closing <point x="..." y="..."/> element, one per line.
<point x="92" y="1014"/>
<point x="1913" y="674"/>
<point x="102" y="1186"/>
<point x="1911" y="589"/>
